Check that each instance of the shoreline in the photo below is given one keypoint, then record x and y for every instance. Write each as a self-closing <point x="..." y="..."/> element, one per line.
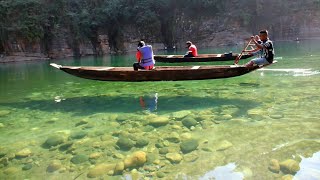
<point x="40" y="57"/>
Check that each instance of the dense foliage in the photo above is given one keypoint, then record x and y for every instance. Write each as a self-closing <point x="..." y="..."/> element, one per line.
<point x="161" y="20"/>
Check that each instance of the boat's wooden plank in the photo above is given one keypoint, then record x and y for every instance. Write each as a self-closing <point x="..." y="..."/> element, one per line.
<point x="195" y="67"/>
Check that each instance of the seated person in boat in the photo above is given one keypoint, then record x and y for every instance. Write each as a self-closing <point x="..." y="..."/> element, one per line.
<point x="144" y="57"/>
<point x="266" y="46"/>
<point x="192" y="52"/>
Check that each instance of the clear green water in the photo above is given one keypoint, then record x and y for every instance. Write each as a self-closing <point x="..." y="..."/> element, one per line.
<point x="242" y="122"/>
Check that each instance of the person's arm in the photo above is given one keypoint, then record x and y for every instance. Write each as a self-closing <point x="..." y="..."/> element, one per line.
<point x="260" y="46"/>
<point x="138" y="56"/>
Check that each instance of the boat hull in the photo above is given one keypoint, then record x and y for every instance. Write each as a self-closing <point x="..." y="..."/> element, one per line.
<point x="164" y="73"/>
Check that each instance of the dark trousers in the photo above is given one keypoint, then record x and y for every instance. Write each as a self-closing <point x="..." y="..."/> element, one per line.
<point x="189" y="55"/>
<point x="137" y="66"/>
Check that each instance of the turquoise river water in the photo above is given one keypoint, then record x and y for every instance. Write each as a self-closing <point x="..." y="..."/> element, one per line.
<point x="262" y="125"/>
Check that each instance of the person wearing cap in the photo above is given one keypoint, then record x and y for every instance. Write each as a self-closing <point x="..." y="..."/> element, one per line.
<point x="192" y="52"/>
<point x="144" y="57"/>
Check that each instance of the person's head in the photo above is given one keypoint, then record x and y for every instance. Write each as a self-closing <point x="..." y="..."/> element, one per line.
<point x="188" y="43"/>
<point x="141" y="44"/>
<point x="263" y="35"/>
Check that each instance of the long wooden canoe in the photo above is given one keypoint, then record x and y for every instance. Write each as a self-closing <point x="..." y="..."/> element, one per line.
<point x="200" y="58"/>
<point x="161" y="73"/>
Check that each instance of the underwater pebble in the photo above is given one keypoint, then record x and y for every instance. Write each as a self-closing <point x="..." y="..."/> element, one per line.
<point x="160" y="174"/>
<point x="274" y="166"/>
<point x="180" y="114"/>
<point x="189" y="122"/>
<point x="95" y="155"/>
<point x="54" y="166"/>
<point x="78" y="159"/>
<point x="289" y="166"/>
<point x="100" y="170"/>
<point x="27" y="167"/>
<point x="119" y="168"/>
<point x="159" y="121"/>
<point x="223" y="145"/>
<point x="287" y="177"/>
<point x="174" y="157"/>
<point x="173" y="137"/>
<point x="124" y="143"/>
<point x="4" y="113"/>
<point x="53" y="141"/>
<point x="23" y="153"/>
<point x="137" y="159"/>
<point x="1" y="125"/>
<point x="11" y="171"/>
<point x="189" y="145"/>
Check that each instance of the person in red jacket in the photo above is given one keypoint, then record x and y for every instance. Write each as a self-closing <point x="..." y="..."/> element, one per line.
<point x="192" y="52"/>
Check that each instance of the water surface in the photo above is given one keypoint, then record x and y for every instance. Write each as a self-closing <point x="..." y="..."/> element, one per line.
<point x="241" y="123"/>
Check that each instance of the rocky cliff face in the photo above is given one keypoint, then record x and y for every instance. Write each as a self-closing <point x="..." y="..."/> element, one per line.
<point x="223" y="30"/>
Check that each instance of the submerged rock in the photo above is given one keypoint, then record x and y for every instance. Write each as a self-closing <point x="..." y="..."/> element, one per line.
<point x="174" y="157"/>
<point x="173" y="137"/>
<point x="141" y="142"/>
<point x="54" y="166"/>
<point x="27" y="167"/>
<point x="125" y="143"/>
<point x="119" y="168"/>
<point x="287" y="177"/>
<point x="4" y="113"/>
<point x="11" y="171"/>
<point x="53" y="141"/>
<point x="180" y="114"/>
<point x="274" y="166"/>
<point x="189" y="122"/>
<point x="289" y="166"/>
<point x="78" y="135"/>
<point x="159" y="121"/>
<point x="100" y="170"/>
<point x="78" y="159"/>
<point x="82" y="122"/>
<point x="23" y="153"/>
<point x="137" y="159"/>
<point x="95" y="155"/>
<point x="223" y="145"/>
<point x="189" y="145"/>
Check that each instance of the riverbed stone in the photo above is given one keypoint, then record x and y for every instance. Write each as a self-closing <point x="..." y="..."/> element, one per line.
<point x="173" y="137"/>
<point x="80" y="158"/>
<point x="257" y="114"/>
<point x="137" y="159"/>
<point x="189" y="145"/>
<point x="180" y="114"/>
<point x="191" y="157"/>
<point x="189" y="122"/>
<point x="125" y="143"/>
<point x="95" y="155"/>
<point x="11" y="171"/>
<point x="164" y="150"/>
<point x="78" y="135"/>
<point x="53" y="141"/>
<point x="289" y="166"/>
<point x="160" y="174"/>
<point x="4" y="113"/>
<point x="287" y="177"/>
<point x="27" y="167"/>
<point x="141" y="142"/>
<point x="2" y="125"/>
<point x="185" y="136"/>
<point x="100" y="170"/>
<point x="26" y="152"/>
<point x="159" y="121"/>
<point x="82" y="122"/>
<point x="223" y="145"/>
<point x="174" y="158"/>
<point x="119" y="168"/>
<point x="54" y="166"/>
<point x="274" y="166"/>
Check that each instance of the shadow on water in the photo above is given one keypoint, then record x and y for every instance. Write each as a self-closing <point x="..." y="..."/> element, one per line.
<point x="125" y="104"/>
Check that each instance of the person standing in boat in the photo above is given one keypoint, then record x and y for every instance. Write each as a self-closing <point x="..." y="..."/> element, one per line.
<point x="192" y="52"/>
<point x="144" y="57"/>
<point x="266" y="46"/>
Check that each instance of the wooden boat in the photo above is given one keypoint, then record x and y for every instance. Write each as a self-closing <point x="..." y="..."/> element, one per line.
<point x="200" y="58"/>
<point x="163" y="73"/>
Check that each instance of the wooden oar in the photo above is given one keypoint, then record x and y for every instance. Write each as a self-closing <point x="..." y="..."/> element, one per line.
<point x="240" y="55"/>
